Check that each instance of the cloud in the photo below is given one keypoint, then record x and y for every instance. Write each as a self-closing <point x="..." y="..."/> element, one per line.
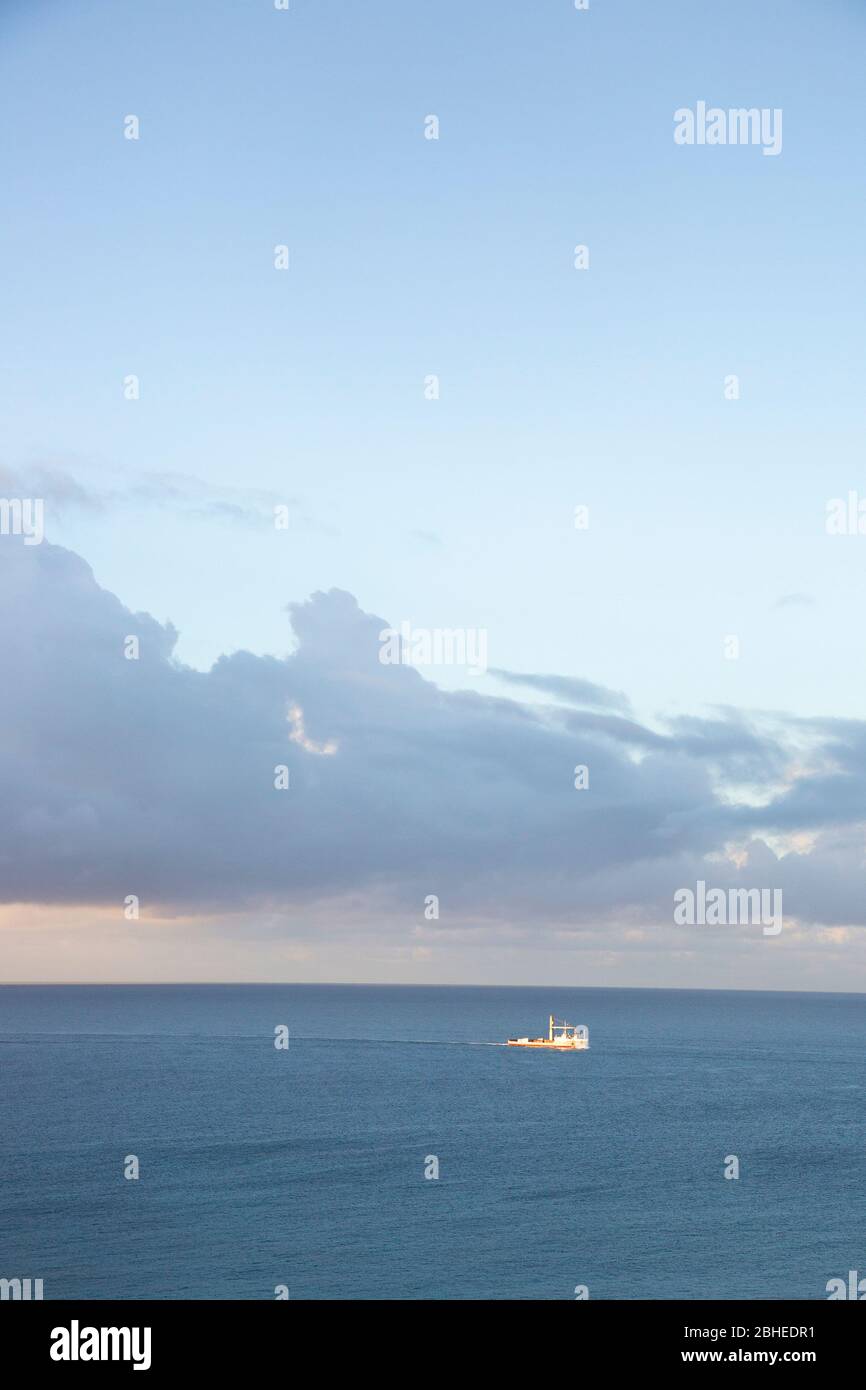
<point x="428" y="538"/>
<point x="51" y="484"/>
<point x="144" y="776"/>
<point x="568" y="689"/>
<point x="794" y="601"/>
<point x="108" y="490"/>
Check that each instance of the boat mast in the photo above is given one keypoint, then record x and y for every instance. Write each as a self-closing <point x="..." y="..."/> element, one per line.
<point x="550" y="1034"/>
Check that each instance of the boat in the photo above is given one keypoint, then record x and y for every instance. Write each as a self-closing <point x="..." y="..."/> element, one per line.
<point x="563" y="1037"/>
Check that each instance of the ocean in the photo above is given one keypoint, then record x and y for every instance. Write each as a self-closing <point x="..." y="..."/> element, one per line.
<point x="309" y="1170"/>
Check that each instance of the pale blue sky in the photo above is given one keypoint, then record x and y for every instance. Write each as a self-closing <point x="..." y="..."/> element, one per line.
<point x="411" y="256"/>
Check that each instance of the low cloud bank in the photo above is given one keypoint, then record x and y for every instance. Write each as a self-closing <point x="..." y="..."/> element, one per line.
<point x="145" y="777"/>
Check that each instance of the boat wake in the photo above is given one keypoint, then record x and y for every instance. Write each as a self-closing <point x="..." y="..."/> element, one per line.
<point x="405" y="1042"/>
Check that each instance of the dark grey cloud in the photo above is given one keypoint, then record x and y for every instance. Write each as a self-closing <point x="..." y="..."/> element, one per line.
<point x="149" y="777"/>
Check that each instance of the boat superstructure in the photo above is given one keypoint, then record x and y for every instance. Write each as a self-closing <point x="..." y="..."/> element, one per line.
<point x="564" y="1037"/>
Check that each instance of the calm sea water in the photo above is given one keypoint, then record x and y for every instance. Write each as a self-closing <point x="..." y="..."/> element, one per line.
<point x="305" y="1166"/>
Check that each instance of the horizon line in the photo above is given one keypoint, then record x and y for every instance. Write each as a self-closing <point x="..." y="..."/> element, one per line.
<point x="377" y="984"/>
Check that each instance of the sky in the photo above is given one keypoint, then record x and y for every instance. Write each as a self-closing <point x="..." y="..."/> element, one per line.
<point x="697" y="645"/>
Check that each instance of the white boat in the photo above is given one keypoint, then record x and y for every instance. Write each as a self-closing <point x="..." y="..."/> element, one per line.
<point x="563" y="1037"/>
